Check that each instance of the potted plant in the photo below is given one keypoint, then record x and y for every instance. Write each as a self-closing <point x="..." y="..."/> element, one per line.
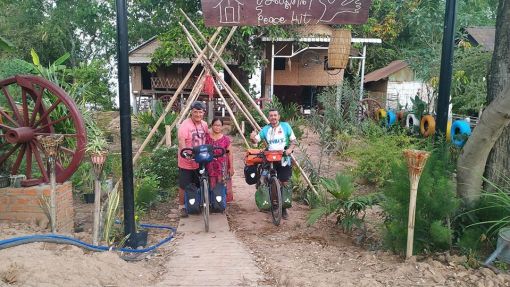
<point x="97" y="148"/>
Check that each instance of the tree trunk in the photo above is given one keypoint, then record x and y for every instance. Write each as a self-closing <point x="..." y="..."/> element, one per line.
<point x="498" y="164"/>
<point x="492" y="132"/>
<point x="471" y="163"/>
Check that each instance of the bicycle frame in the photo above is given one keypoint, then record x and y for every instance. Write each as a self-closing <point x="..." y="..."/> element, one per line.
<point x="268" y="175"/>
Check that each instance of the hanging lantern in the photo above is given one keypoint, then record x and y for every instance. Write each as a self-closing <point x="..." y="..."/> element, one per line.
<point x="339" y="49"/>
<point x="209" y="86"/>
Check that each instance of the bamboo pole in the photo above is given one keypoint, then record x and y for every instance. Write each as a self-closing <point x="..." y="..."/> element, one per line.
<point x="257" y="108"/>
<point x="227" y="87"/>
<point x="225" y="66"/>
<point x="174" y="97"/>
<point x="232" y="116"/>
<point x="168" y="136"/>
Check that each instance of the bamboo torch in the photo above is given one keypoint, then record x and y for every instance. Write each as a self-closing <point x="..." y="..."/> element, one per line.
<point x="416" y="160"/>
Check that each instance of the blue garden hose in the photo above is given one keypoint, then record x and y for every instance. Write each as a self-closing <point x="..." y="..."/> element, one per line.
<point x="61" y="239"/>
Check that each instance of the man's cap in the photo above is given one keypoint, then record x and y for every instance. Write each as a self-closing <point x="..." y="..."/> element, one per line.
<point x="197" y="105"/>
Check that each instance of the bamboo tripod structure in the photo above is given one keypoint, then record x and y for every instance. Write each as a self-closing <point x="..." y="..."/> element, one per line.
<point x="240" y="86"/>
<point x="209" y="66"/>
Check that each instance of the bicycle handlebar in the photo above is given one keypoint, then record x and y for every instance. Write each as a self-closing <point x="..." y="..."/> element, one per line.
<point x="188" y="152"/>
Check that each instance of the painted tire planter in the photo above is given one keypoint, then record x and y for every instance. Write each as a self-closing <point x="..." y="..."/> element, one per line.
<point x="391" y="118"/>
<point x="448" y="131"/>
<point x="412" y="121"/>
<point x="380" y="114"/>
<point x="400" y="117"/>
<point x="460" y="132"/>
<point x="427" y="125"/>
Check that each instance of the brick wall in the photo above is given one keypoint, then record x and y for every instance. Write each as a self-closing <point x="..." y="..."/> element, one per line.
<point x="25" y="205"/>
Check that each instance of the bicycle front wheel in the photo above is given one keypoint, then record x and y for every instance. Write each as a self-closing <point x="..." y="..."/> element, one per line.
<point x="204" y="186"/>
<point x="275" y="196"/>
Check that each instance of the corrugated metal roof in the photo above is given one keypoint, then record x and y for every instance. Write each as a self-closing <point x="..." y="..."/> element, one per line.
<point x="483" y="36"/>
<point x="385" y="72"/>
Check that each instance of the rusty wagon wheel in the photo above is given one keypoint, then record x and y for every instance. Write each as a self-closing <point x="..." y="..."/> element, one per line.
<point x="31" y="106"/>
<point x="368" y="108"/>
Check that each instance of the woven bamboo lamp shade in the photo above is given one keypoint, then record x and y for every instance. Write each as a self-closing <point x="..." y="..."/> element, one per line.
<point x="339" y="49"/>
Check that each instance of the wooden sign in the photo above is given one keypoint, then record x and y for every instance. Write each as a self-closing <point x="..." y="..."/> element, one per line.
<point x="284" y="12"/>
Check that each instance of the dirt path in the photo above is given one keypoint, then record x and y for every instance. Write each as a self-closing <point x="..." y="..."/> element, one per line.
<point x="295" y="254"/>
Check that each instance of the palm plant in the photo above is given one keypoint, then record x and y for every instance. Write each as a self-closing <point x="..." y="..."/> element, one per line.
<point x="349" y="210"/>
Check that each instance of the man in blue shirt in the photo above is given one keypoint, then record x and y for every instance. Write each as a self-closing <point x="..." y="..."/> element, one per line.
<point x="278" y="136"/>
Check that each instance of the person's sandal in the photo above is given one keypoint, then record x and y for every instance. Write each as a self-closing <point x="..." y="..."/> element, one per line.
<point x="285" y="214"/>
<point x="183" y="213"/>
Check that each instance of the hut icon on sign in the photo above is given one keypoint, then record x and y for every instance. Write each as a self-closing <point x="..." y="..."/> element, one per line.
<point x="230" y="11"/>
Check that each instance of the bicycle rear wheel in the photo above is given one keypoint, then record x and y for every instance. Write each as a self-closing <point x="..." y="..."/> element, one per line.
<point x="204" y="187"/>
<point x="275" y="197"/>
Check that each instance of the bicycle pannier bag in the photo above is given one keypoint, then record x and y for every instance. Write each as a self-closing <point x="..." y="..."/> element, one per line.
<point x="251" y="174"/>
<point x="218" y="197"/>
<point x="192" y="199"/>
<point x="262" y="198"/>
<point x="252" y="157"/>
<point x="203" y="153"/>
<point x="286" y="197"/>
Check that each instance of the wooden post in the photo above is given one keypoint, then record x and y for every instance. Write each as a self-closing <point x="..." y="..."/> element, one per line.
<point x="242" y="127"/>
<point x="168" y="135"/>
<point x="97" y="210"/>
<point x="411" y="219"/>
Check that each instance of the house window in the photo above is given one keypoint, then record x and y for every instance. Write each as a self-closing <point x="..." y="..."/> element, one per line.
<point x="279" y="64"/>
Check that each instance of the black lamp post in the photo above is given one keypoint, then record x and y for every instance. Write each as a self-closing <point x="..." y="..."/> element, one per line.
<point x="125" y="124"/>
<point x="445" y="77"/>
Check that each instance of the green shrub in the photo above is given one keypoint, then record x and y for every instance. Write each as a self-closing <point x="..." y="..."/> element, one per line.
<point x="378" y="153"/>
<point x="163" y="164"/>
<point x="146" y="191"/>
<point x="436" y="203"/>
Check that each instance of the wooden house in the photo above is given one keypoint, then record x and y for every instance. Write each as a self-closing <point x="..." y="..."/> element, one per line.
<point x="395" y="85"/>
<point x="148" y="87"/>
<point x="296" y="70"/>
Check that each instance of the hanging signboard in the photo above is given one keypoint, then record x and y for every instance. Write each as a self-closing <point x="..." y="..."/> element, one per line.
<point x="284" y="12"/>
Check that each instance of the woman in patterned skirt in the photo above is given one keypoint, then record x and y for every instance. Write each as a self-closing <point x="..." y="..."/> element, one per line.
<point x="221" y="169"/>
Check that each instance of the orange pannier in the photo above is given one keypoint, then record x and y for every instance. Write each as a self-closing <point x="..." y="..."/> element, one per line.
<point x="253" y="156"/>
<point x="273" y="155"/>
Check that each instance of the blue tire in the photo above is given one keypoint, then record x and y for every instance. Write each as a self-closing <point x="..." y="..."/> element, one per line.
<point x="460" y="132"/>
<point x="391" y="118"/>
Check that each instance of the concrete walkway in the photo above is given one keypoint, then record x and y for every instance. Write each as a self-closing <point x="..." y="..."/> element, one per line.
<point x="216" y="258"/>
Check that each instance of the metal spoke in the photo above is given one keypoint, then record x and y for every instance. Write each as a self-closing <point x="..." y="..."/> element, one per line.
<point x="8" y="154"/>
<point x="28" y="162"/>
<point x="5" y="115"/>
<point x="5" y="127"/>
<point x="38" y="159"/>
<point x="19" y="158"/>
<point x="25" y="106"/>
<point x="53" y="123"/>
<point x="36" y="107"/>
<point x="47" y="112"/>
<point x="65" y="135"/>
<point x="12" y="103"/>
